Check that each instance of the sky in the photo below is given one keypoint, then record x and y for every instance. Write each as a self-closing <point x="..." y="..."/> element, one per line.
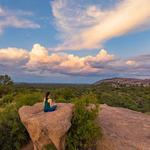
<point x="74" y="41"/>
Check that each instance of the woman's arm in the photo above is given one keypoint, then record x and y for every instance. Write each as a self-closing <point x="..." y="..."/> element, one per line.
<point x="50" y="102"/>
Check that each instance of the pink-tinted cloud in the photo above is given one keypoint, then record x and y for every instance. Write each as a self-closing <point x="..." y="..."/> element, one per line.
<point x="39" y="62"/>
<point x="65" y="63"/>
<point x="13" y="56"/>
<point x="88" y="28"/>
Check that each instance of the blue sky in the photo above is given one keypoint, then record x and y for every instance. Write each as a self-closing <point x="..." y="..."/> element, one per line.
<point x="74" y="41"/>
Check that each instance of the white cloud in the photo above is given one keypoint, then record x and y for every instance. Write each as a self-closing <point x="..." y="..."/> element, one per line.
<point x="39" y="50"/>
<point x="13" y="57"/>
<point x="16" y="19"/>
<point x="39" y="62"/>
<point x="88" y="27"/>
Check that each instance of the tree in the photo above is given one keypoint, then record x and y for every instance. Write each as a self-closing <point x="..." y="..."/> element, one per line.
<point x="6" y="84"/>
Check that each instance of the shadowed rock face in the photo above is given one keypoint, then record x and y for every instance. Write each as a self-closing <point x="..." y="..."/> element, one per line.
<point x="123" y="129"/>
<point x="46" y="128"/>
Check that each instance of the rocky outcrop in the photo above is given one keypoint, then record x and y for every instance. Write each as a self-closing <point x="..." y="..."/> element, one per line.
<point x="123" y="129"/>
<point x="46" y="128"/>
<point x="116" y="82"/>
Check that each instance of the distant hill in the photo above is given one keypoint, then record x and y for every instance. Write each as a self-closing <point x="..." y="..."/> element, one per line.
<point x="125" y="81"/>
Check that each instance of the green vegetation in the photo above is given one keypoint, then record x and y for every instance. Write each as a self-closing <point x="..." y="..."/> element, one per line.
<point x="49" y="147"/>
<point x="135" y="98"/>
<point x="12" y="133"/>
<point x="5" y="85"/>
<point x="12" y="96"/>
<point x="84" y="130"/>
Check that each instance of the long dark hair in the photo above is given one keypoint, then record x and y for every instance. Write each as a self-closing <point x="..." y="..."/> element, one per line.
<point x="46" y="95"/>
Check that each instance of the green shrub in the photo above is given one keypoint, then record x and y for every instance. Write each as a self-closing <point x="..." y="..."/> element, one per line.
<point x="6" y="99"/>
<point x="6" y="85"/>
<point x="28" y="98"/>
<point x="13" y="134"/>
<point x="49" y="147"/>
<point x="65" y="93"/>
<point x="84" y="130"/>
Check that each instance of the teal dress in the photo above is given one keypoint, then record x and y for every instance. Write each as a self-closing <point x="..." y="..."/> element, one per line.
<point x="48" y="108"/>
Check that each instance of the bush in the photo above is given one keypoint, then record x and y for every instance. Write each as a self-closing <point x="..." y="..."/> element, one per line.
<point x="65" y="93"/>
<point x="6" y="85"/>
<point x="84" y="130"/>
<point x="49" y="147"/>
<point x="28" y="98"/>
<point x="6" y="99"/>
<point x="13" y="134"/>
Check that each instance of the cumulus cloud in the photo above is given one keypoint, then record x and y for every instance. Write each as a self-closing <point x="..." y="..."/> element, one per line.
<point x="65" y="63"/>
<point x="88" y="27"/>
<point x="38" y="61"/>
<point x="13" y="57"/>
<point x="16" y="19"/>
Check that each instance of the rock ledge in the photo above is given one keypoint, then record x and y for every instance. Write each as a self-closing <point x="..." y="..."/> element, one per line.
<point x="123" y="129"/>
<point x="46" y="128"/>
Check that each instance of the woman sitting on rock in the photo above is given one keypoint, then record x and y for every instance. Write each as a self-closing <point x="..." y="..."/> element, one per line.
<point x="49" y="104"/>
